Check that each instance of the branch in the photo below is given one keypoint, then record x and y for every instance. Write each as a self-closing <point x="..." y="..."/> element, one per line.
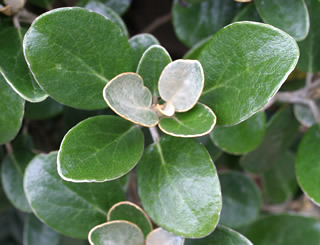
<point x="157" y="23"/>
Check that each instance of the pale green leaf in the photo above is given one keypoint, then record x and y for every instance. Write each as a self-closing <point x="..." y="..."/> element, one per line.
<point x="160" y="236"/>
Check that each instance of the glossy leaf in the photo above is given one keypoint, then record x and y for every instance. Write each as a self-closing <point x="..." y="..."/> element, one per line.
<point x="281" y="131"/>
<point x="289" y="16"/>
<point x="241" y="200"/>
<point x="195" y="51"/>
<point x="116" y="232"/>
<point x="284" y="229"/>
<point x="68" y="51"/>
<point x="242" y="79"/>
<point x="248" y="13"/>
<point x="14" y="68"/>
<point x="181" y="83"/>
<point x="130" y="212"/>
<point x="200" y="120"/>
<point x="304" y="115"/>
<point x="308" y="163"/>
<point x="12" y="109"/>
<point x="120" y="6"/>
<point x="243" y="137"/>
<point x="35" y="233"/>
<point x="43" y="110"/>
<point x="221" y="236"/>
<point x="110" y="147"/>
<point x="194" y="22"/>
<point x="180" y="190"/>
<point x="150" y="66"/>
<point x="129" y="98"/>
<point x="69" y="208"/>
<point x="160" y="236"/>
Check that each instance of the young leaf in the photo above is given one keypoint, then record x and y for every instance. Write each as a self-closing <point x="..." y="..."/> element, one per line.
<point x="308" y="163"/>
<point x="130" y="212"/>
<point x="245" y="65"/>
<point x="289" y="16"/>
<point x="43" y="110"/>
<point x="100" y="148"/>
<point x="11" y="108"/>
<point x="243" y="137"/>
<point x="69" y="208"/>
<point x="304" y="115"/>
<point x="241" y="200"/>
<point x="14" y="68"/>
<point x="150" y="66"/>
<point x="195" y="51"/>
<point x="187" y="197"/>
<point x="116" y="232"/>
<point x="129" y="98"/>
<point x="221" y="236"/>
<point x="181" y="83"/>
<point x="199" y="121"/>
<point x="72" y="59"/>
<point x="160" y="236"/>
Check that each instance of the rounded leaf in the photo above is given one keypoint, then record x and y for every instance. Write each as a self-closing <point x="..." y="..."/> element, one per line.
<point x="304" y="115"/>
<point x="160" y="236"/>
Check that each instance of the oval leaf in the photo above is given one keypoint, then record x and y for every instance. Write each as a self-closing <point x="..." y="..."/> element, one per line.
<point x="160" y="236"/>
<point x="304" y="115"/>
<point x="110" y="147"/>
<point x="195" y="51"/>
<point x="72" y="59"/>
<point x="240" y="80"/>
<point x="126" y="95"/>
<point x="187" y="197"/>
<point x="43" y="110"/>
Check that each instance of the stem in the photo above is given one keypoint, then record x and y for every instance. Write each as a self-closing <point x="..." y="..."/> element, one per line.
<point x="9" y="148"/>
<point x="157" y="23"/>
<point x="16" y="22"/>
<point x="155" y="134"/>
<point x="309" y="80"/>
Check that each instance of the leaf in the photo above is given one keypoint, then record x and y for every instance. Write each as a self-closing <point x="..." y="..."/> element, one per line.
<point x="245" y="64"/>
<point x="304" y="115"/>
<point x="310" y="51"/>
<point x="199" y="121"/>
<point x="46" y="4"/>
<point x="160" y="236"/>
<point x="284" y="229"/>
<point x="68" y="51"/>
<point x="129" y="98"/>
<point x="116" y="232"/>
<point x="12" y="109"/>
<point x="69" y="208"/>
<point x="194" y="22"/>
<point x="35" y="232"/>
<point x="281" y="131"/>
<point x="308" y="163"/>
<point x="243" y="137"/>
<point x="248" y="13"/>
<point x="107" y="12"/>
<point x="140" y="43"/>
<point x="241" y="200"/>
<point x="289" y="16"/>
<point x="14" y="68"/>
<point x="120" y="6"/>
<point x="221" y="236"/>
<point x="213" y="150"/>
<point x="130" y="212"/>
<point x="279" y="183"/>
<point x="150" y="66"/>
<point x="195" y="51"/>
<point x="181" y="83"/>
<point x="179" y="187"/>
<point x="98" y="149"/>
<point x="43" y="110"/>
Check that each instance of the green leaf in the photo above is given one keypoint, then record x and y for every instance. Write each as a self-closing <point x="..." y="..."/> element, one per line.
<point x="213" y="150"/>
<point x="150" y="66"/>
<point x="107" y="12"/>
<point x="304" y="115"/>
<point x="43" y="110"/>
<point x="308" y="163"/>
<point x="200" y="120"/>
<point x="35" y="233"/>
<point x="69" y="208"/>
<point x="243" y="137"/>
<point x="100" y="148"/>
<point x="14" y="68"/>
<point x="279" y="183"/>
<point x="120" y="6"/>
<point x="284" y="229"/>
<point x="248" y="13"/>
<point x="116" y="232"/>
<point x="140" y="43"/>
<point x="281" y="131"/>
<point x="194" y="22"/>
<point x="46" y="4"/>
<point x="131" y="212"/>
<point x="129" y="98"/>
<point x="12" y="109"/>
<point x="309" y="48"/>
<point x="179" y="187"/>
<point x="161" y="236"/>
<point x="241" y="200"/>
<point x="221" y="236"/>
<point x="289" y="16"/>
<point x="68" y="51"/>
<point x="195" y="51"/>
<point x="242" y="79"/>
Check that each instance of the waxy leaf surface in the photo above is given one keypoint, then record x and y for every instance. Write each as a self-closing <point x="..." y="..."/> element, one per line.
<point x="160" y="236"/>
